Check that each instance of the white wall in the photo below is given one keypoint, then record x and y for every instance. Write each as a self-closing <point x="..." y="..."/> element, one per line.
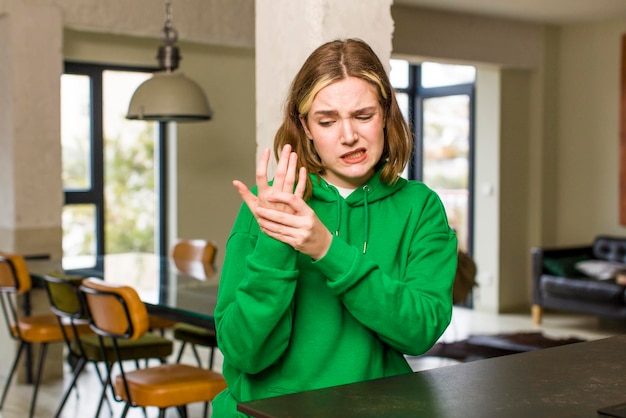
<point x="487" y="188"/>
<point x="587" y="163"/>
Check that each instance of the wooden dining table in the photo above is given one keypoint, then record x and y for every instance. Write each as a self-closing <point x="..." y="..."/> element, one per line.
<point x="180" y="291"/>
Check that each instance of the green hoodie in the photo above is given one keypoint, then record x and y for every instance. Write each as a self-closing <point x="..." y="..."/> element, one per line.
<point x="287" y="323"/>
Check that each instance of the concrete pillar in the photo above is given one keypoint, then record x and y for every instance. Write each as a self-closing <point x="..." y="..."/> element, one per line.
<point x="31" y="192"/>
<point x="288" y="31"/>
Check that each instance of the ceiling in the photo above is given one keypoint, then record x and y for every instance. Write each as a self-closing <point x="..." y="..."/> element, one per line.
<point x="540" y="11"/>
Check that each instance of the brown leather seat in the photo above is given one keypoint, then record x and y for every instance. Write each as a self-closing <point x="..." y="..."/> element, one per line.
<point x="116" y="311"/>
<point x="170" y="384"/>
<point x="40" y="329"/>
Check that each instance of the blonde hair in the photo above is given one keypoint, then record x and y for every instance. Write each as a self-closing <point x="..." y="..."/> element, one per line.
<point x="329" y="63"/>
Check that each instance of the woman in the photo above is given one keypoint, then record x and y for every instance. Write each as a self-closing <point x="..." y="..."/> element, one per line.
<point x="338" y="267"/>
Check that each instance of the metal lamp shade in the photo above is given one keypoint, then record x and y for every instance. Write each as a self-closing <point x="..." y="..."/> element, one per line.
<point x="169" y="97"/>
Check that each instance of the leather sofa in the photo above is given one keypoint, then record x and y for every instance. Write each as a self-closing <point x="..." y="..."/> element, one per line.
<point x="559" y="284"/>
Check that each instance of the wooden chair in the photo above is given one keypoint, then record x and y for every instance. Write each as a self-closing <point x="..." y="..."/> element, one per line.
<point x="194" y="257"/>
<point x="190" y="254"/>
<point x="68" y="303"/>
<point x="194" y="250"/>
<point x="27" y="330"/>
<point x="116" y="311"/>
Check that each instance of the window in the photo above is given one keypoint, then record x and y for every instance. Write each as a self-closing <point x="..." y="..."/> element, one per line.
<point x="438" y="102"/>
<point x="113" y="168"/>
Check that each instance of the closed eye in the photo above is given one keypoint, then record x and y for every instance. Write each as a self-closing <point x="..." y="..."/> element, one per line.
<point x="365" y="114"/>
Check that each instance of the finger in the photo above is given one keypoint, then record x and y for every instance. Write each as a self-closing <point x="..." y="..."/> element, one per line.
<point x="281" y="168"/>
<point x="301" y="186"/>
<point x="277" y="223"/>
<point x="290" y="179"/>
<point x="283" y="203"/>
<point x="261" y="171"/>
<point x="246" y="195"/>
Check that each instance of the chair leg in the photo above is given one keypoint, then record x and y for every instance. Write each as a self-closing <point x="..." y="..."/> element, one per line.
<point x="104" y="383"/>
<point x="75" y="373"/>
<point x="196" y="355"/>
<point x="182" y="411"/>
<point x="536" y="312"/>
<point x="42" y="357"/>
<point x="211" y="357"/>
<point x="105" y="386"/>
<point x="11" y="373"/>
<point x="125" y="411"/>
<point x="180" y="352"/>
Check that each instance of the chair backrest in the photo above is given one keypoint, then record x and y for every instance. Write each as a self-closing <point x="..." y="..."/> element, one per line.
<point x="14" y="275"/>
<point x="68" y="303"/>
<point x="195" y="257"/>
<point x="194" y="250"/>
<point x="14" y="280"/>
<point x="115" y="310"/>
<point x="66" y="299"/>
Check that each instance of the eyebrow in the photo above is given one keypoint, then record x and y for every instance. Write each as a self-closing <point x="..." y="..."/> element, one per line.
<point x="369" y="109"/>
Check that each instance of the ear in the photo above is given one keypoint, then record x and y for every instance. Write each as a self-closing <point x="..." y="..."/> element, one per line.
<point x="306" y="128"/>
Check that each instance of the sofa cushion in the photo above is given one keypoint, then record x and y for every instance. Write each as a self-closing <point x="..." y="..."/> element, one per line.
<point x="563" y="266"/>
<point x="583" y="289"/>
<point x="600" y="269"/>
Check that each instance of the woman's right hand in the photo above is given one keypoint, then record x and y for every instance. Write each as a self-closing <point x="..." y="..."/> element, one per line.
<point x="281" y="211"/>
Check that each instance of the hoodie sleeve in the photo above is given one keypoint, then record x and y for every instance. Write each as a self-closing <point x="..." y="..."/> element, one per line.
<point x="253" y="315"/>
<point x="410" y="309"/>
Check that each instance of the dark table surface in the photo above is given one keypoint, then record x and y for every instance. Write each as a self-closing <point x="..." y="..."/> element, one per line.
<point x="568" y="381"/>
<point x="185" y="292"/>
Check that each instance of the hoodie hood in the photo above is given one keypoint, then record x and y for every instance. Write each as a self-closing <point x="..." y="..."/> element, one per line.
<point x="370" y="192"/>
<point x="374" y="188"/>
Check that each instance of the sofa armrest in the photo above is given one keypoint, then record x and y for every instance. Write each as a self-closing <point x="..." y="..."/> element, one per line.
<point x="555" y="254"/>
<point x="610" y="248"/>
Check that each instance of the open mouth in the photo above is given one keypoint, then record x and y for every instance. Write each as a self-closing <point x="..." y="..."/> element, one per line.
<point x="354" y="156"/>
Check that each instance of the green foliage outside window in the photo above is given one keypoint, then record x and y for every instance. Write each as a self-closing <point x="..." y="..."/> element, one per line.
<point x="130" y="192"/>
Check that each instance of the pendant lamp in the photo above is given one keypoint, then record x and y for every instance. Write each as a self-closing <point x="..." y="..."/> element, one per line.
<point x="169" y="96"/>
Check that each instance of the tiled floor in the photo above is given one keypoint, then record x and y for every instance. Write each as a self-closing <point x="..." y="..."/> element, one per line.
<point x="464" y="323"/>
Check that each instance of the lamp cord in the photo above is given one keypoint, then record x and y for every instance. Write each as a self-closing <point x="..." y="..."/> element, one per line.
<point x="170" y="35"/>
<point x="168" y="14"/>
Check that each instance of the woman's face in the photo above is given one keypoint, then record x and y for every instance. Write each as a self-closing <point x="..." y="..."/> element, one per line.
<point x="346" y="125"/>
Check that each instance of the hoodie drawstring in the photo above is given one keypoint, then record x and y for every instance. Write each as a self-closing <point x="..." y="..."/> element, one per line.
<point x="366" y="190"/>
<point x="338" y="211"/>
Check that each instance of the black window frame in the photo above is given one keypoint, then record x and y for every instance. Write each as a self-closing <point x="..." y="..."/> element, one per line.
<point x="416" y="95"/>
<point x="95" y="194"/>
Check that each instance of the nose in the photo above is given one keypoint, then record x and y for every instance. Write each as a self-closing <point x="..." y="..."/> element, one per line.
<point x="349" y="134"/>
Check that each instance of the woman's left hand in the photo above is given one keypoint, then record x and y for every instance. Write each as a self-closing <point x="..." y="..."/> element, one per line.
<point x="298" y="227"/>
